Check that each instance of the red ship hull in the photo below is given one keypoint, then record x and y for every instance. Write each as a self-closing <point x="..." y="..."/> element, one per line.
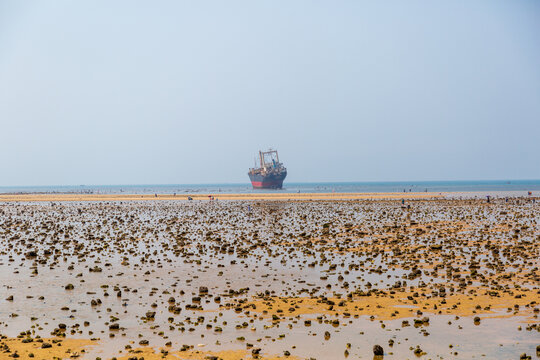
<point x="267" y="184"/>
<point x="271" y="181"/>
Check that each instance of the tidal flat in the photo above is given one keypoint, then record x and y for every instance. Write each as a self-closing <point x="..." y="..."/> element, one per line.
<point x="333" y="279"/>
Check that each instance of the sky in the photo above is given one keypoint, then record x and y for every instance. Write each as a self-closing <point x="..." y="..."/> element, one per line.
<point x="184" y="92"/>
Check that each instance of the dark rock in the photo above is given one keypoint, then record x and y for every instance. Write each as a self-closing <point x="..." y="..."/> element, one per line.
<point x="378" y="350"/>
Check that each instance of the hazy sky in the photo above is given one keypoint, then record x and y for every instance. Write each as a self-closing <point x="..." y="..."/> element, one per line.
<point x="174" y="92"/>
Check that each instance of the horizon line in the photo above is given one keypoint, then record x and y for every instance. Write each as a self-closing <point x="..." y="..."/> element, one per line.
<point x="294" y="182"/>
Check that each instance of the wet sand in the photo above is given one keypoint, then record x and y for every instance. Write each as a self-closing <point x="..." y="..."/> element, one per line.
<point x="431" y="278"/>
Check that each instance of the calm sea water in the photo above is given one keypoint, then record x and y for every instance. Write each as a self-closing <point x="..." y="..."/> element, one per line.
<point x="338" y="187"/>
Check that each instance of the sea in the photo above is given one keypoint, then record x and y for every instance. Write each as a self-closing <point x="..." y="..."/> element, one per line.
<point x="515" y="187"/>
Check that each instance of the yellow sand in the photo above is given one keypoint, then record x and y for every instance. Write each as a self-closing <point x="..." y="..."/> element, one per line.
<point x="151" y="354"/>
<point x="74" y="348"/>
<point x="63" y="349"/>
<point x="395" y="306"/>
<point x="219" y="196"/>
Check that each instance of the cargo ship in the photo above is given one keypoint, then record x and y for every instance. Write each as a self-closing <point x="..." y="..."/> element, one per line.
<point x="270" y="174"/>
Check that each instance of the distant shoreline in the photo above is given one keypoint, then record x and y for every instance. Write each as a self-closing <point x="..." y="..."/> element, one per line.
<point x="70" y="197"/>
<point x="519" y="187"/>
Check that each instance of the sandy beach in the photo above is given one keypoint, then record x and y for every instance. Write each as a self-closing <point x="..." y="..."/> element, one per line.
<point x="268" y="279"/>
<point x="218" y="196"/>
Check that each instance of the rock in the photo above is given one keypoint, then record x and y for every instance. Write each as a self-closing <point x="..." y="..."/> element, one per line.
<point x="378" y="350"/>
